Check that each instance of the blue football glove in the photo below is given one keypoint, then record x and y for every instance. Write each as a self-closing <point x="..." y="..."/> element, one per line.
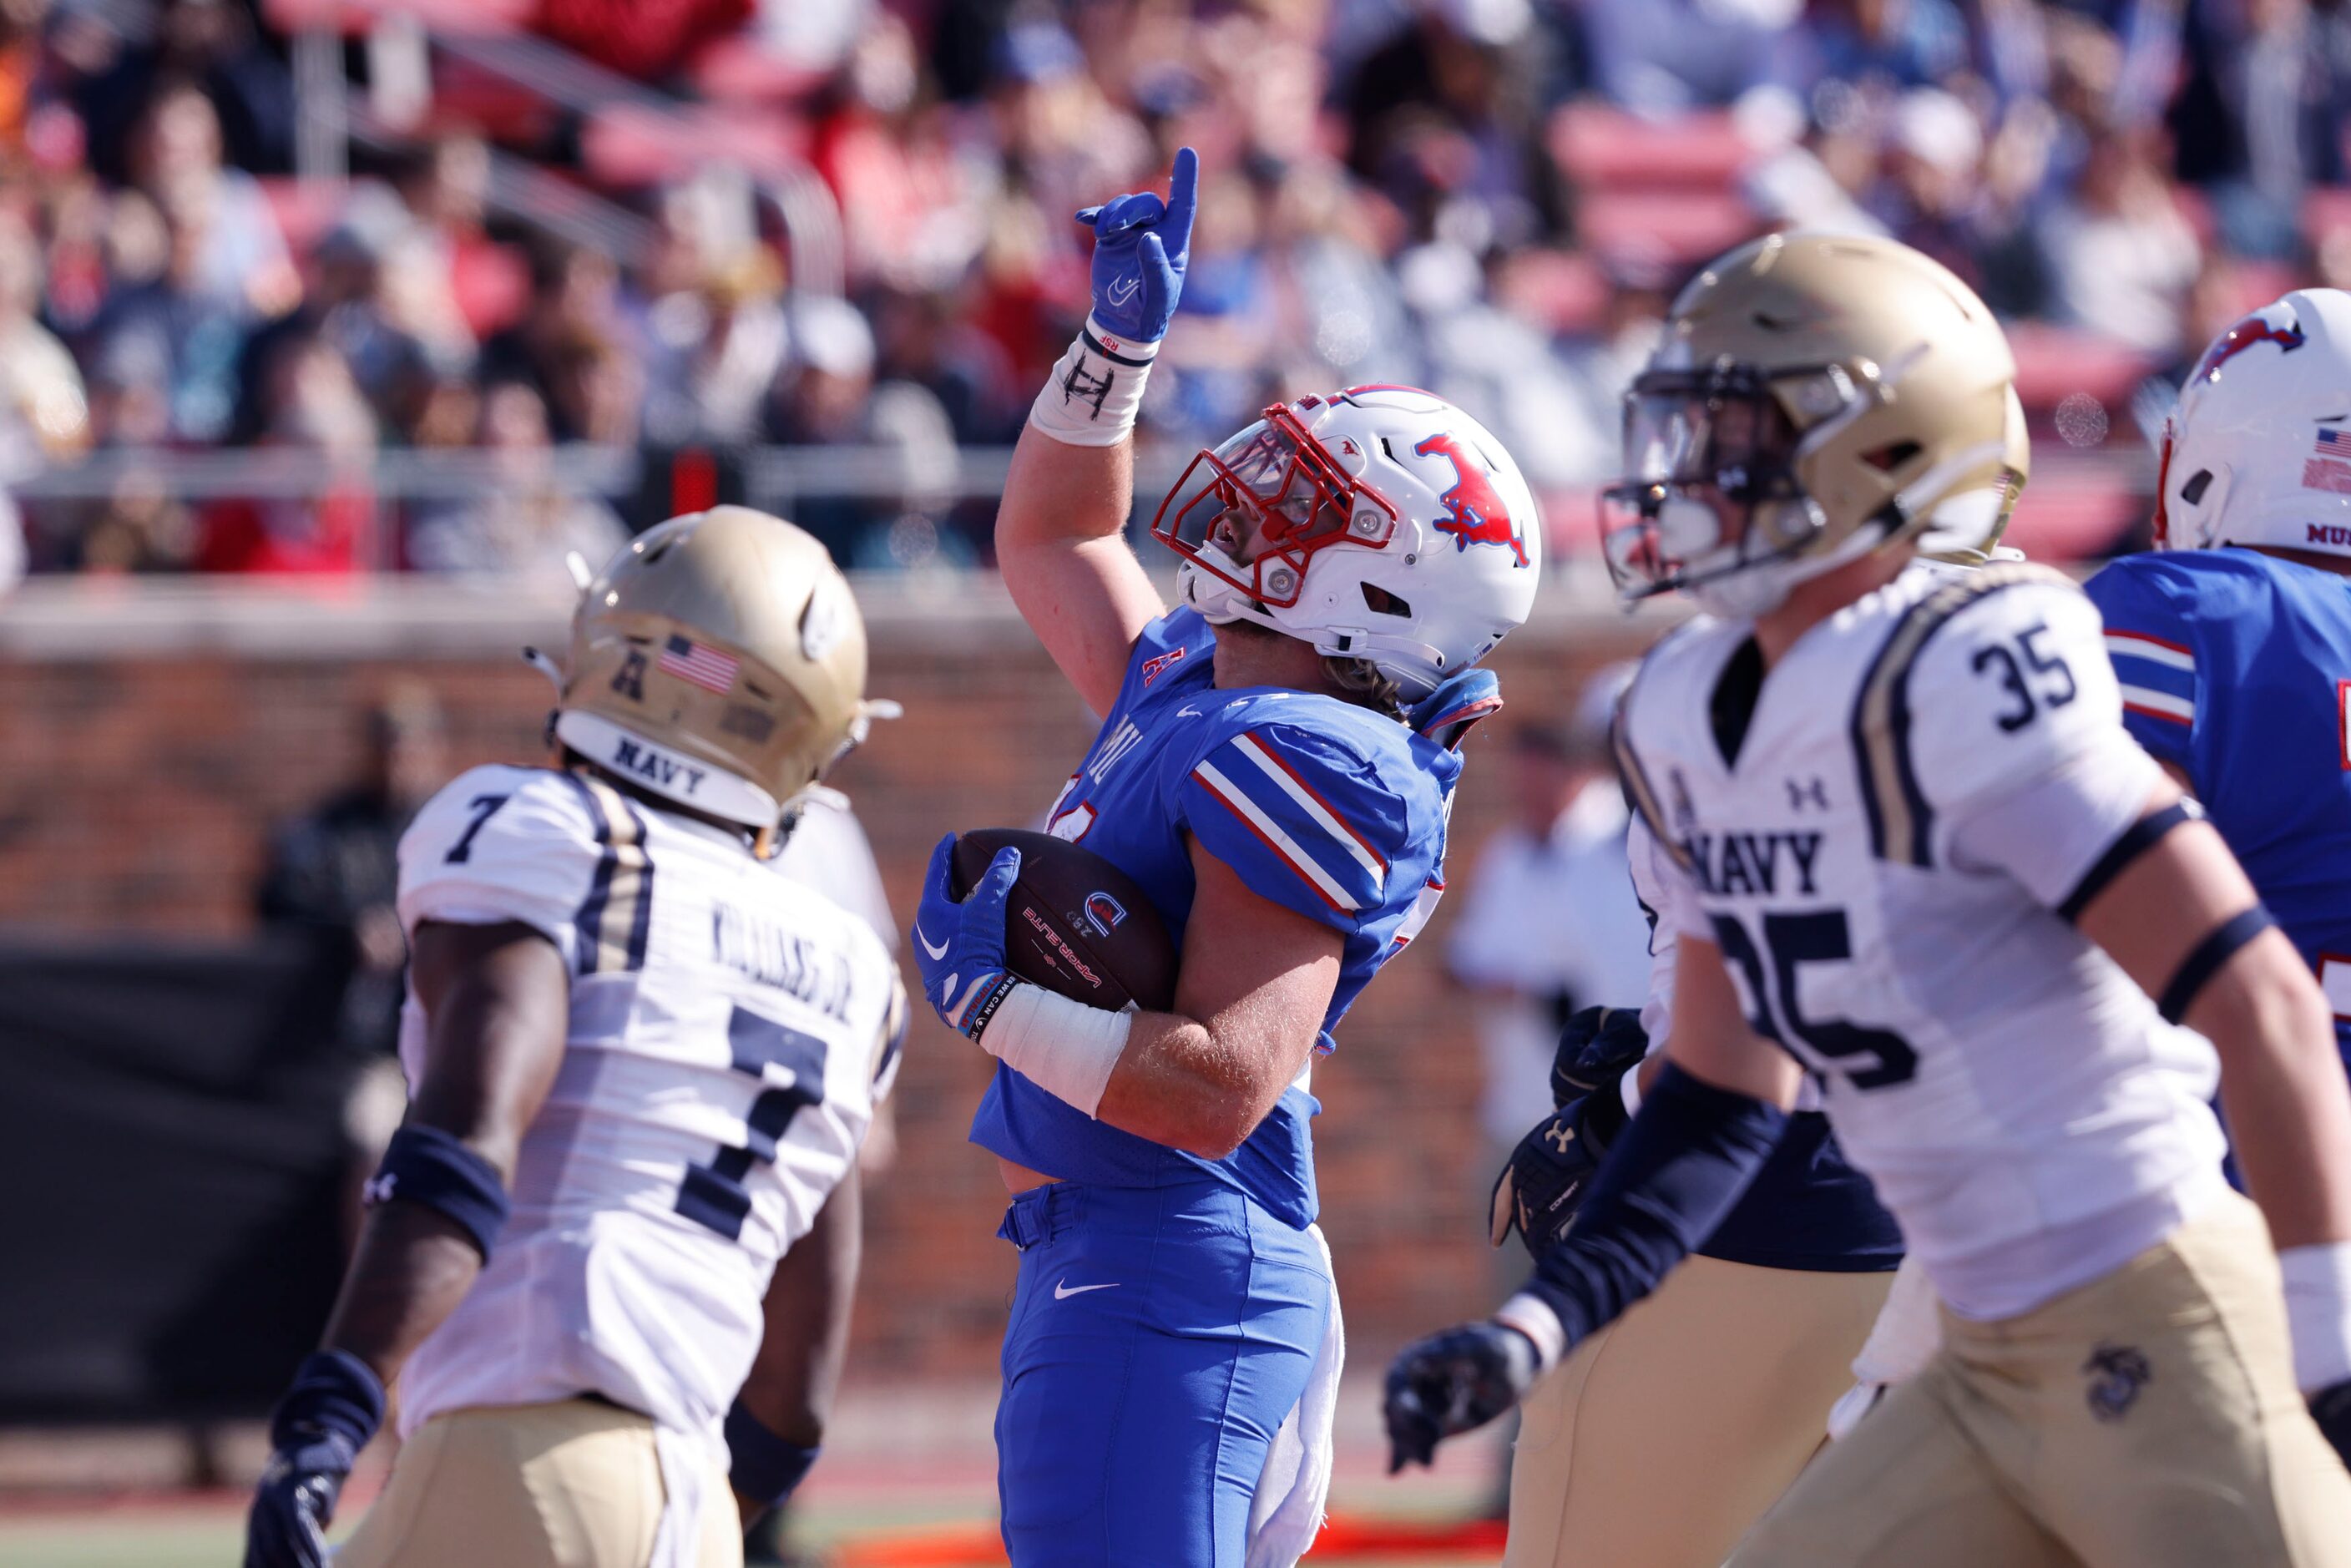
<point x="334" y="1406"/>
<point x="959" y="947"/>
<point x="1453" y="1381"/>
<point x="1142" y="245"/>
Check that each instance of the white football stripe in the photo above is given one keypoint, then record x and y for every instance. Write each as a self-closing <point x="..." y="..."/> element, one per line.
<point x="1349" y="839"/>
<point x="1302" y="863"/>
<point x="2163" y="703"/>
<point x="2154" y="652"/>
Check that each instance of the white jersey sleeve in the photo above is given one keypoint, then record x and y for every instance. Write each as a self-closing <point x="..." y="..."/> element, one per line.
<point x="521" y="845"/>
<point x="1984" y="687"/>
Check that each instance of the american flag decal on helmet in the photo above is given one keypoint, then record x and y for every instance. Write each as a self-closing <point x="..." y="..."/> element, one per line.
<point x="697" y="662"/>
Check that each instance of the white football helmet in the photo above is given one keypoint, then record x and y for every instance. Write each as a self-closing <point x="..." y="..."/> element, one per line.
<point x="1380" y="524"/>
<point x="2258" y="450"/>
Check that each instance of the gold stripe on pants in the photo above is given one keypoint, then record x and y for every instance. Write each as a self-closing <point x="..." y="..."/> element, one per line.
<point x="2146" y="1420"/>
<point x="1666" y="1434"/>
<point x="570" y="1485"/>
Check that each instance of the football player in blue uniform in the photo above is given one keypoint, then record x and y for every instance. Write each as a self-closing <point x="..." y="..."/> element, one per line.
<point x="1275" y="764"/>
<point x="2233" y="644"/>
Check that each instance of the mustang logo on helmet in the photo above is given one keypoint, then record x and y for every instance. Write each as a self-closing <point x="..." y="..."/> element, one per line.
<point x="1475" y="513"/>
<point x="2255" y="329"/>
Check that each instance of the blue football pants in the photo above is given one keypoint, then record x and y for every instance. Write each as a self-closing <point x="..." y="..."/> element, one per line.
<point x="1158" y="1337"/>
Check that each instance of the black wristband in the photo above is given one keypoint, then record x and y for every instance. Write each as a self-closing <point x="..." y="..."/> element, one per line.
<point x="2197" y="968"/>
<point x="333" y="1391"/>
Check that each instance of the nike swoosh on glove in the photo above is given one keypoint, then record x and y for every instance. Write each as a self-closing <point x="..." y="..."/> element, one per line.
<point x="1452" y="1382"/>
<point x="1142" y="245"/>
<point x="959" y="945"/>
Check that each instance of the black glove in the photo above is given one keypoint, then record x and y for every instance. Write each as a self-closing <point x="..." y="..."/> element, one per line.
<point x="2331" y="1409"/>
<point x="328" y="1415"/>
<point x="1596" y="1046"/>
<point x="1543" y="1184"/>
<point x="1453" y="1381"/>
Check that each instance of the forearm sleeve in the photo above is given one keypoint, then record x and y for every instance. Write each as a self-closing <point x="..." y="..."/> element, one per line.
<point x="1677" y="1168"/>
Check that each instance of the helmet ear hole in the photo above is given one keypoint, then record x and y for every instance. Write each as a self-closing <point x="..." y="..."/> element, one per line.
<point x="2197" y="483"/>
<point x="1887" y="458"/>
<point x="1380" y="602"/>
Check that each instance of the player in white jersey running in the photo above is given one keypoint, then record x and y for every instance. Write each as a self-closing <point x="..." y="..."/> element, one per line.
<point x="1923" y="863"/>
<point x="641" y="1065"/>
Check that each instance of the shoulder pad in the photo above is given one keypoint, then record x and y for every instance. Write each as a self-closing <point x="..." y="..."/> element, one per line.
<point x="563" y="853"/>
<point x="1308" y="814"/>
<point x="1983" y="685"/>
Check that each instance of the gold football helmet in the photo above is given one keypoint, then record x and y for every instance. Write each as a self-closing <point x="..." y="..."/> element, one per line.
<point x="718" y="660"/>
<point x="1816" y="397"/>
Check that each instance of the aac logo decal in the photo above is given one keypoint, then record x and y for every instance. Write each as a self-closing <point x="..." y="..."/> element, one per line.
<point x="1474" y="510"/>
<point x="1104" y="913"/>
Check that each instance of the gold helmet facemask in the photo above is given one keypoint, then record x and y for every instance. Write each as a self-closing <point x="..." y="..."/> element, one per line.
<point x="1816" y="397"/>
<point x="719" y="661"/>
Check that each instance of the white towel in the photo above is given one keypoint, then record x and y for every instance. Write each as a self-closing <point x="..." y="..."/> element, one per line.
<point x="1907" y="1333"/>
<point x="1286" y="1514"/>
<point x="685" y="1472"/>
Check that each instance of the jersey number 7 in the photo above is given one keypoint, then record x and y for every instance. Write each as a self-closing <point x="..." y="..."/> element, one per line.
<point x="1866" y="1058"/>
<point x="714" y="1195"/>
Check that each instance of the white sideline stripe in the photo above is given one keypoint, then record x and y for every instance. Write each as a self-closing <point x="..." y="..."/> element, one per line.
<point x="2132" y="645"/>
<point x="2163" y="703"/>
<point x="1351" y="841"/>
<point x="1299" y="860"/>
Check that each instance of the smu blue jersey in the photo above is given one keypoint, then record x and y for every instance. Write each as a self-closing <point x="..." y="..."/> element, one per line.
<point x="2235" y="667"/>
<point x="1324" y="807"/>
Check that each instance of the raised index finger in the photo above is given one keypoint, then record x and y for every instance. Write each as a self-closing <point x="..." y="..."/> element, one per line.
<point x="1183" y="195"/>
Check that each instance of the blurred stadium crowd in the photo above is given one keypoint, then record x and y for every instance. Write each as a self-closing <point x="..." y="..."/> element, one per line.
<point x="1491" y="198"/>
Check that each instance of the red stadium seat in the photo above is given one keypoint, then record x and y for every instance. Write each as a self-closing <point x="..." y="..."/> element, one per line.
<point x="736" y="70"/>
<point x="304" y="210"/>
<point x="627" y="146"/>
<point x="2052" y="363"/>
<point x="1684" y="225"/>
<point x="1563" y="290"/>
<point x="434" y="15"/>
<point x="1603" y="147"/>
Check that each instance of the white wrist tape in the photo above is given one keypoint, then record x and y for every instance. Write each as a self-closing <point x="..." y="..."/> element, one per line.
<point x="1532" y="1316"/>
<point x="1065" y="1048"/>
<point x="1628" y="1089"/>
<point x="2318" y="1311"/>
<point x="1095" y="389"/>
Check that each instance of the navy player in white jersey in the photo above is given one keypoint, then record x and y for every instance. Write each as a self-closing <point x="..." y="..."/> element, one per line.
<point x="2231" y="646"/>
<point x="1275" y="766"/>
<point x="1920" y="859"/>
<point x="609" y="1255"/>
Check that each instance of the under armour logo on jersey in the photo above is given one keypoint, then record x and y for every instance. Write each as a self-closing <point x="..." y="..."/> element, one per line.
<point x="378" y="1189"/>
<point x="2116" y="1374"/>
<point x="1809" y="792"/>
<point x="1684" y="814"/>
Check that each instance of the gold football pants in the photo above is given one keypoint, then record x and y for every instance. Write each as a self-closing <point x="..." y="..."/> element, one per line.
<point x="2146" y="1420"/>
<point x="574" y="1485"/>
<point x="1665" y="1435"/>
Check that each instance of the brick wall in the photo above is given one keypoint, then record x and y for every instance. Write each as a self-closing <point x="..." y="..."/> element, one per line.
<point x="146" y="763"/>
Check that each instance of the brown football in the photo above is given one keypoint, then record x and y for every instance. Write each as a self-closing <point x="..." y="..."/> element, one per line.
<point x="1075" y="923"/>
